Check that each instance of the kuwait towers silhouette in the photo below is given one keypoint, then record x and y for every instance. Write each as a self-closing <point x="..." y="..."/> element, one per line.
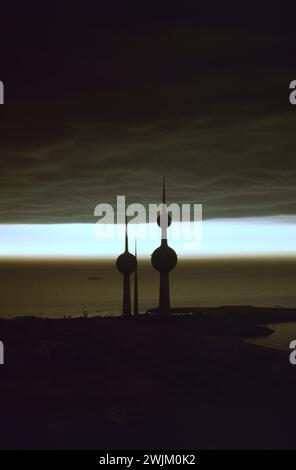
<point x="126" y="264"/>
<point x="164" y="258"/>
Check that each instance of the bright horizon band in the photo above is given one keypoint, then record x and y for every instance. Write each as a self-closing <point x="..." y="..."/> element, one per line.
<point x="219" y="237"/>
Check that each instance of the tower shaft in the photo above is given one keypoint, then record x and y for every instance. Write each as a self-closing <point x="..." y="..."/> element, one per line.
<point x="126" y="303"/>
<point x="136" y="295"/>
<point x="164" y="293"/>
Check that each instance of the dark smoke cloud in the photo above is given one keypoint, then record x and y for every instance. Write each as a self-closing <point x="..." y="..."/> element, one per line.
<point x="93" y="111"/>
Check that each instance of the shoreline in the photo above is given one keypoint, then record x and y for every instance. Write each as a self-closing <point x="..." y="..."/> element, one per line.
<point x="148" y="382"/>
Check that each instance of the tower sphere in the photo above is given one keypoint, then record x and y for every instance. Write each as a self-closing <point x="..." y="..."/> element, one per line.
<point x="126" y="263"/>
<point x="167" y="221"/>
<point x="164" y="258"/>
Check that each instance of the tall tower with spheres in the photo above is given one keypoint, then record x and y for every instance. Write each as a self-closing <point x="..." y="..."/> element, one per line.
<point x="164" y="258"/>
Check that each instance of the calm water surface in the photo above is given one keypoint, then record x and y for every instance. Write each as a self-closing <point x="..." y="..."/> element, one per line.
<point x="283" y="334"/>
<point x="57" y="288"/>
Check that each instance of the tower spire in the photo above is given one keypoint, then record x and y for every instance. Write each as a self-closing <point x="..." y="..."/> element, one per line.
<point x="164" y="216"/>
<point x="126" y="235"/>
<point x="163" y="189"/>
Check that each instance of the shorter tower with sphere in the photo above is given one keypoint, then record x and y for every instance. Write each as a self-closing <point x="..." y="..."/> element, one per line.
<point x="126" y="264"/>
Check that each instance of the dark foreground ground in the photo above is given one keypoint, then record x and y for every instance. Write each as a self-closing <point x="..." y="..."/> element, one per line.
<point x="147" y="383"/>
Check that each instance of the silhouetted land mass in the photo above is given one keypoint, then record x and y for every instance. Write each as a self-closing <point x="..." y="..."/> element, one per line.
<point x="189" y="381"/>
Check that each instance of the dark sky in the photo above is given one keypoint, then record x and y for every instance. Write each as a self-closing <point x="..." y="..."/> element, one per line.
<point x="100" y="100"/>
